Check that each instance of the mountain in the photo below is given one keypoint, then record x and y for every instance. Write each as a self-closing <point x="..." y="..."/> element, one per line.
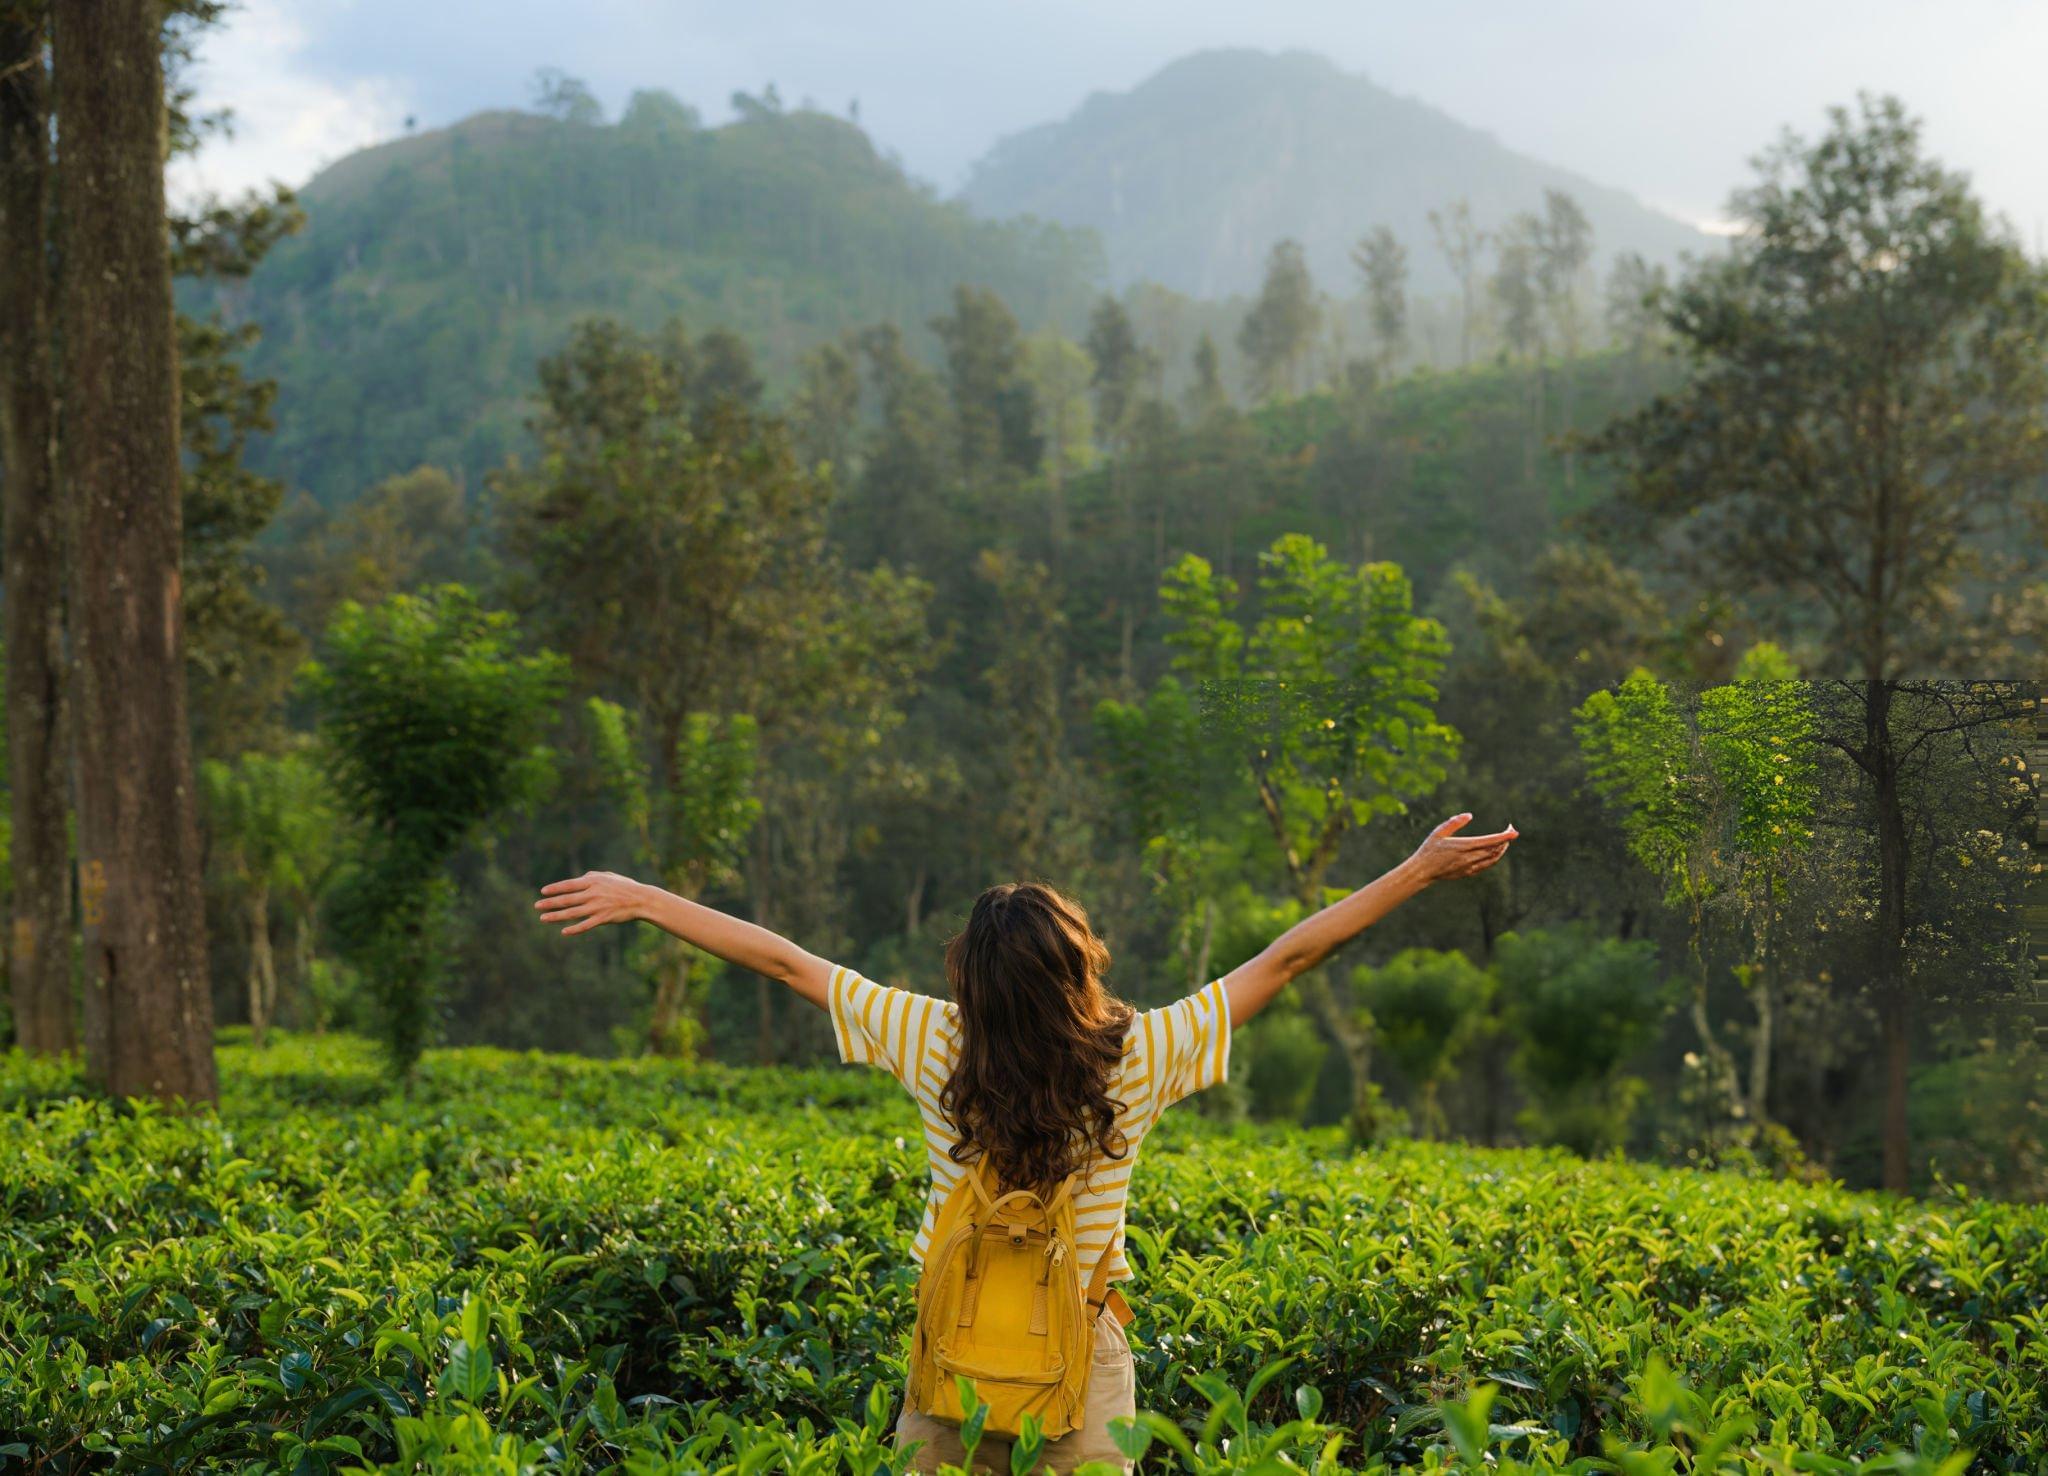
<point x="403" y="324"/>
<point x="1191" y="176"/>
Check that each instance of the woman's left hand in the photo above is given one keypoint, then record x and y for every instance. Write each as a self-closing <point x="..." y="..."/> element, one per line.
<point x="1443" y="855"/>
<point x="592" y="900"/>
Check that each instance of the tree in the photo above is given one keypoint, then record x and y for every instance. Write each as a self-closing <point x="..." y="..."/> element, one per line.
<point x="240" y="651"/>
<point x="560" y="95"/>
<point x="825" y="411"/>
<point x="903" y="509"/>
<point x="1519" y="298"/>
<point x="1059" y="371"/>
<point x="430" y="724"/>
<point x="408" y="531"/>
<point x="1280" y="330"/>
<point x="1714" y="807"/>
<point x="1760" y="735"/>
<point x="39" y="940"/>
<point x="672" y="548"/>
<point x="1174" y="782"/>
<point x="1460" y="242"/>
<point x="1860" y="446"/>
<point x="148" y="1006"/>
<point x="1515" y="285"/>
<point x="992" y="408"/>
<point x="1635" y="303"/>
<point x="1206" y="396"/>
<point x="721" y="367"/>
<point x="273" y="831"/>
<point x="1382" y="263"/>
<point x="1327" y="701"/>
<point x="693" y="833"/>
<point x="675" y="545"/>
<point x="1121" y="365"/>
<point x="1564" y="245"/>
<point x="1027" y="723"/>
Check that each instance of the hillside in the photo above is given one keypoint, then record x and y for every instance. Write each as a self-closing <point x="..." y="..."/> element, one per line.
<point x="666" y="1268"/>
<point x="403" y="324"/>
<point x="1191" y="176"/>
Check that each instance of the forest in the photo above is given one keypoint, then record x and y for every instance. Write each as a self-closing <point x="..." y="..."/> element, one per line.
<point x="1725" y="582"/>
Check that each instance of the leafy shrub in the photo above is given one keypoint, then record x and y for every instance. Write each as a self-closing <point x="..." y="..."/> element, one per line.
<point x="430" y="723"/>
<point x="1425" y="1006"/>
<point x="544" y="1263"/>
<point x="1286" y="1055"/>
<point x="1579" y="1006"/>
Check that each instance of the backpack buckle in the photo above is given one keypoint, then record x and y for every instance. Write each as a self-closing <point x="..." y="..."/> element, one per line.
<point x="1017" y="1233"/>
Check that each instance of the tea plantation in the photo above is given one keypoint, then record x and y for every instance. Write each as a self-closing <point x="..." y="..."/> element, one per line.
<point x="546" y="1263"/>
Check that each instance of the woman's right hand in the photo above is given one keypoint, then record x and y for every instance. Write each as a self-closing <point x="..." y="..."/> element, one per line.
<point x="1444" y="855"/>
<point x="592" y="900"/>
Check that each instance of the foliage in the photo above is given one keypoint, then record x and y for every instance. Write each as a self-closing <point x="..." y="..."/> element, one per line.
<point x="1870" y="290"/>
<point x="1579" y="1007"/>
<point x="554" y="1264"/>
<point x="449" y="261"/>
<point x="273" y="828"/>
<point x="430" y="724"/>
<point x="1426" y="1006"/>
<point x="1281" y="327"/>
<point x="1283" y="1055"/>
<point x="1640" y="757"/>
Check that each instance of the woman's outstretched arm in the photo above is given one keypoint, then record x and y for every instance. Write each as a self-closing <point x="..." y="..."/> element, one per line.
<point x="599" y="897"/>
<point x="1442" y="855"/>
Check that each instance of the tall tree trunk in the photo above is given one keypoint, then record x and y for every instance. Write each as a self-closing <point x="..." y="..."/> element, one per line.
<point x="1355" y="1041"/>
<point x="671" y="993"/>
<point x="1892" y="1003"/>
<point x="302" y="961"/>
<point x="39" y="963"/>
<point x="1727" y="1082"/>
<point x="262" y="964"/>
<point x="148" y="1004"/>
<point x="1766" y="1012"/>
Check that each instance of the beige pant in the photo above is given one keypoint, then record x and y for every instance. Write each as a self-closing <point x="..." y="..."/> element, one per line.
<point x="1112" y="1391"/>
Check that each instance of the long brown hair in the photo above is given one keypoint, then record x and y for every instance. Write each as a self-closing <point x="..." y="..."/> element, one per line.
<point x="1040" y="1038"/>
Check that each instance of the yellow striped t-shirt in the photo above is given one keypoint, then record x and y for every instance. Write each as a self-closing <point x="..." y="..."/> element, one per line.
<point x="1168" y="1052"/>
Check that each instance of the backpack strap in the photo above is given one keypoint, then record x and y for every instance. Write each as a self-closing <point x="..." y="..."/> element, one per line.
<point x="1098" y="1285"/>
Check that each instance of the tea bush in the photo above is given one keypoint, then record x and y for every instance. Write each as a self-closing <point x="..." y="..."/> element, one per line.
<point x="546" y="1263"/>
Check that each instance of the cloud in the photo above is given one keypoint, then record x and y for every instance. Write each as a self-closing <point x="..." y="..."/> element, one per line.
<point x="288" y="121"/>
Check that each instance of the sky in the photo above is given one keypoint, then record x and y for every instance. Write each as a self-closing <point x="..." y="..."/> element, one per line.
<point x="1667" y="100"/>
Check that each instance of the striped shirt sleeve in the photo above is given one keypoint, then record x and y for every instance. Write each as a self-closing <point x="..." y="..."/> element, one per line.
<point x="1189" y="1044"/>
<point x="880" y="1025"/>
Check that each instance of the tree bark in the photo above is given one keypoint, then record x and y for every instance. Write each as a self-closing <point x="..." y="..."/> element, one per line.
<point x="671" y="992"/>
<point x="302" y="962"/>
<point x="39" y="963"/>
<point x="1892" y="1007"/>
<point x="149" y="1008"/>
<point x="1762" y="1043"/>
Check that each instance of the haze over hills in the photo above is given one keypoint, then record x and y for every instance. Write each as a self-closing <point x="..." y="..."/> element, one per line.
<point x="405" y="322"/>
<point x="1191" y="176"/>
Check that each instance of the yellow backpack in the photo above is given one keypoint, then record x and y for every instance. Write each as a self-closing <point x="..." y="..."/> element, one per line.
<point x="998" y="1300"/>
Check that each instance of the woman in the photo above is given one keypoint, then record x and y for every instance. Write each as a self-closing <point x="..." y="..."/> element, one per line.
<point x="1033" y="1063"/>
